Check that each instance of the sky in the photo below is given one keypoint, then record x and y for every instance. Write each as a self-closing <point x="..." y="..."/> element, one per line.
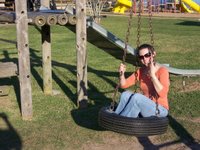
<point x="197" y="1"/>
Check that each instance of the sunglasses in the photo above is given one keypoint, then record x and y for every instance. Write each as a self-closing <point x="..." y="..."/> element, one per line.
<point x="147" y="55"/>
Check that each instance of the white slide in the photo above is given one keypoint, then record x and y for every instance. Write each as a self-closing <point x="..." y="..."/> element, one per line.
<point x="102" y="38"/>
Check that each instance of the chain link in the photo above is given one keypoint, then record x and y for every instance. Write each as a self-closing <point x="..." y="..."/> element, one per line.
<point x="150" y="22"/>
<point x="139" y="23"/>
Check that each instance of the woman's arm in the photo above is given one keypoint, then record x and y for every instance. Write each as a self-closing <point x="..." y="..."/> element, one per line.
<point x="161" y="83"/>
<point x="125" y="83"/>
<point x="157" y="85"/>
<point x="122" y="70"/>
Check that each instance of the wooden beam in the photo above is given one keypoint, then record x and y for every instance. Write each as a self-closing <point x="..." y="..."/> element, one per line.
<point x="46" y="58"/>
<point x="8" y="69"/>
<point x="40" y="19"/>
<point x="81" y="40"/>
<point x="23" y="59"/>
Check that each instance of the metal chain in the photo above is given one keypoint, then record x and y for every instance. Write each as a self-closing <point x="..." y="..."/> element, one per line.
<point x="127" y="35"/>
<point x="139" y="24"/>
<point x="124" y="55"/>
<point x="152" y="43"/>
<point x="150" y="22"/>
<point x="138" y="44"/>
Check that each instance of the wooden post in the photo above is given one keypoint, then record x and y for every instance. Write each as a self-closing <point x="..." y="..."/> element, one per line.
<point x="23" y="59"/>
<point x="46" y="55"/>
<point x="46" y="58"/>
<point x="81" y="40"/>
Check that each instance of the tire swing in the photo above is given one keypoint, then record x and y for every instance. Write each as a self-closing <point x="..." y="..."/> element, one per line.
<point x="139" y="127"/>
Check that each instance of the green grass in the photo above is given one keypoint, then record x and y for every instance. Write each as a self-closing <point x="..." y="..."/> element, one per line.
<point x="58" y="124"/>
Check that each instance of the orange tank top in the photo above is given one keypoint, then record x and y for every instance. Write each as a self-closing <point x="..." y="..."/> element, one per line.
<point x="147" y="86"/>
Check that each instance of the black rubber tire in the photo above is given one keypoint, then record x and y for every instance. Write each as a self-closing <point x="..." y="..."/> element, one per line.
<point x="140" y="127"/>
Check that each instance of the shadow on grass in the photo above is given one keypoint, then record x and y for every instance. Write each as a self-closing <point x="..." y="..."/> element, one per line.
<point x="104" y="43"/>
<point x="9" y="138"/>
<point x="36" y="61"/>
<point x="87" y="117"/>
<point x="84" y="117"/>
<point x="183" y="135"/>
<point x="189" y="23"/>
<point x="11" y="80"/>
<point x="8" y="41"/>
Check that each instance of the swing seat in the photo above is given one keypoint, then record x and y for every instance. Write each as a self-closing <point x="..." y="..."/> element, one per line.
<point x="139" y="127"/>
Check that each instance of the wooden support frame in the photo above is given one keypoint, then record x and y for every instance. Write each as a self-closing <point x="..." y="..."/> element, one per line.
<point x="81" y="40"/>
<point x="46" y="59"/>
<point x="46" y="55"/>
<point x="8" y="69"/>
<point x="23" y="59"/>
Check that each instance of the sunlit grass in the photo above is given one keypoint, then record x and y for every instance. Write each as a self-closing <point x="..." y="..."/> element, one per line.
<point x="57" y="123"/>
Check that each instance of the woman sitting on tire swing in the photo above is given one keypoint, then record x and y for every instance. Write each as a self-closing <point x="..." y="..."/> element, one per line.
<point x="154" y="83"/>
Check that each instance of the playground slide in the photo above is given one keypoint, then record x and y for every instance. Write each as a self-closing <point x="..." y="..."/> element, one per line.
<point x="184" y="8"/>
<point x="108" y="39"/>
<point x="122" y="5"/>
<point x="191" y="4"/>
<point x="105" y="40"/>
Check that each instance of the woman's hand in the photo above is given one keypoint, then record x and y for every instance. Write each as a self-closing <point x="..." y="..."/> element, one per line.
<point x="152" y="72"/>
<point x="152" y="68"/>
<point x="122" y="69"/>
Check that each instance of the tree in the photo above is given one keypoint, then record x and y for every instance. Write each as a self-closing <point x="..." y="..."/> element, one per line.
<point x="95" y="8"/>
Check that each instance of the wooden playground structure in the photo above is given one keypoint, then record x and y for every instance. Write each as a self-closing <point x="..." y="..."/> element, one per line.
<point x="22" y="20"/>
<point x="116" y="6"/>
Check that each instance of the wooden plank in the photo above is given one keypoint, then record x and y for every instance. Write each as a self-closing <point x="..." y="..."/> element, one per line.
<point x="8" y="69"/>
<point x="24" y="59"/>
<point x="46" y="58"/>
<point x="81" y="38"/>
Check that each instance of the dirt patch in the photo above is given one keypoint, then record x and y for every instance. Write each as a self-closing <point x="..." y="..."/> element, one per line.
<point x="189" y="87"/>
<point x="5" y="102"/>
<point x="177" y="15"/>
<point x="130" y="143"/>
<point x="194" y="120"/>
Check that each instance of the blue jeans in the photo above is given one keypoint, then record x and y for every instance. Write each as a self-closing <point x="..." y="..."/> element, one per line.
<point x="138" y="104"/>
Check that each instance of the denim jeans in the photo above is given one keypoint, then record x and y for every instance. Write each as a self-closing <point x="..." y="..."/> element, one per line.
<point x="138" y="104"/>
